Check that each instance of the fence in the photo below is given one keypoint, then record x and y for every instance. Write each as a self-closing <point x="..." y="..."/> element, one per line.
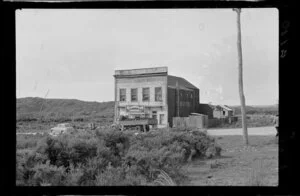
<point x="215" y="122"/>
<point x="199" y="121"/>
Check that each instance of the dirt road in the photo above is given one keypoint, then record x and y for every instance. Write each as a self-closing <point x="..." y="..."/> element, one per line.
<point x="239" y="131"/>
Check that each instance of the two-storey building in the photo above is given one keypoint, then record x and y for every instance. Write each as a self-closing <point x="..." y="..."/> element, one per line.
<point x="152" y="93"/>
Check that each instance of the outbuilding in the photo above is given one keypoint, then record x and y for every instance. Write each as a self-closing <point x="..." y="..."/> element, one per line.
<point x="222" y="111"/>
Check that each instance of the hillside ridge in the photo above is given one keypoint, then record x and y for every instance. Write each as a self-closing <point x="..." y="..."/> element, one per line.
<point x="37" y="106"/>
<point x="74" y="107"/>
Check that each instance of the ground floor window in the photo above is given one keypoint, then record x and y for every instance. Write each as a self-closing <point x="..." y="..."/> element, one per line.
<point x="154" y="114"/>
<point x="161" y="118"/>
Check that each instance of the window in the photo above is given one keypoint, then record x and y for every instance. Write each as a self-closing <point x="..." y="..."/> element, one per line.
<point x="158" y="94"/>
<point x="146" y="94"/>
<point x="223" y="112"/>
<point x="161" y="118"/>
<point x="154" y="114"/>
<point x="134" y="94"/>
<point x="122" y="94"/>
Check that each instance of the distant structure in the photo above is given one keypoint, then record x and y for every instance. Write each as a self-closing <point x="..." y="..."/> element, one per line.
<point x="152" y="93"/>
<point x="222" y="111"/>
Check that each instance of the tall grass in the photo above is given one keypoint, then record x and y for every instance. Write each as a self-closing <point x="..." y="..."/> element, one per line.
<point x="258" y="173"/>
<point x="164" y="179"/>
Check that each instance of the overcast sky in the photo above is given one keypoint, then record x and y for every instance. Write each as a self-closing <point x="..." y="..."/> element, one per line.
<point x="73" y="53"/>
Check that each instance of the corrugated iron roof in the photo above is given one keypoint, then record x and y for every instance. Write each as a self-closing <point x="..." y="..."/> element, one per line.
<point x="197" y="114"/>
<point x="181" y="87"/>
<point x="225" y="107"/>
<point x="182" y="83"/>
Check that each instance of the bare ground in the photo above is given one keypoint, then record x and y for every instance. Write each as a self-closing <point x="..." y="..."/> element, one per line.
<point x="256" y="165"/>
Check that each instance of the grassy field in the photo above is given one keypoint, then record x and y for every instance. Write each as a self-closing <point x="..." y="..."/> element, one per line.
<point x="41" y="127"/>
<point x="253" y="120"/>
<point x="256" y="165"/>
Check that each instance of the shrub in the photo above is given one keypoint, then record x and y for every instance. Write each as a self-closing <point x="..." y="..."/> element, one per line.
<point x="28" y="141"/>
<point x="168" y="151"/>
<point x="119" y="176"/>
<point x="50" y="174"/>
<point x="79" y="151"/>
<point x="66" y="149"/>
<point x="111" y="157"/>
<point x="26" y="160"/>
<point x="28" y="117"/>
<point x="113" y="146"/>
<point x="74" y="175"/>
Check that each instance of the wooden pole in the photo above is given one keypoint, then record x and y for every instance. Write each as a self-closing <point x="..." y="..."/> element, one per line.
<point x="240" y="78"/>
<point x="177" y="98"/>
<point x="116" y="102"/>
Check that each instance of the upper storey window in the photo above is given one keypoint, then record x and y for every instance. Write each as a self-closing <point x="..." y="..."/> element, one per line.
<point x="134" y="94"/>
<point x="158" y="94"/>
<point x="122" y="94"/>
<point x="146" y="94"/>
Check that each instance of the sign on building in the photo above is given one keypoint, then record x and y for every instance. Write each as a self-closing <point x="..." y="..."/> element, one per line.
<point x="135" y="109"/>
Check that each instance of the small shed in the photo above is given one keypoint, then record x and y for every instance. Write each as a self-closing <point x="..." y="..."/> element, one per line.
<point x="222" y="111"/>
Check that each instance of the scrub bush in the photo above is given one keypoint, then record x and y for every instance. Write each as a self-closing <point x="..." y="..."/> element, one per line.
<point x="28" y="141"/>
<point x="111" y="157"/>
<point x="49" y="174"/>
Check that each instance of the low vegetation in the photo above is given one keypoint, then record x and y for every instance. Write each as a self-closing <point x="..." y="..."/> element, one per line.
<point x="110" y="157"/>
<point x="257" y="110"/>
<point x="253" y="120"/>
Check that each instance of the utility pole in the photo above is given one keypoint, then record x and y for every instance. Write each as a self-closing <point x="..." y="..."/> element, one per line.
<point x="177" y="97"/>
<point x="41" y="116"/>
<point x="240" y="77"/>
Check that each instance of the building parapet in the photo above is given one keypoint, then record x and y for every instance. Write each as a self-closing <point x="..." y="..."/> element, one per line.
<point x="143" y="71"/>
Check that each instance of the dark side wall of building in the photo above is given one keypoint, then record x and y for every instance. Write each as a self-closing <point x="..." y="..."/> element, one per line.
<point x="205" y="109"/>
<point x="188" y="103"/>
<point x="171" y="105"/>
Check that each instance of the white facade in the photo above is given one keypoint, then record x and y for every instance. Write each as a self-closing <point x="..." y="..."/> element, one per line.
<point x="139" y="80"/>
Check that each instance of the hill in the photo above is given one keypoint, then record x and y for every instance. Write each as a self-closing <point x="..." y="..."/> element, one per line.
<point x="35" y="107"/>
